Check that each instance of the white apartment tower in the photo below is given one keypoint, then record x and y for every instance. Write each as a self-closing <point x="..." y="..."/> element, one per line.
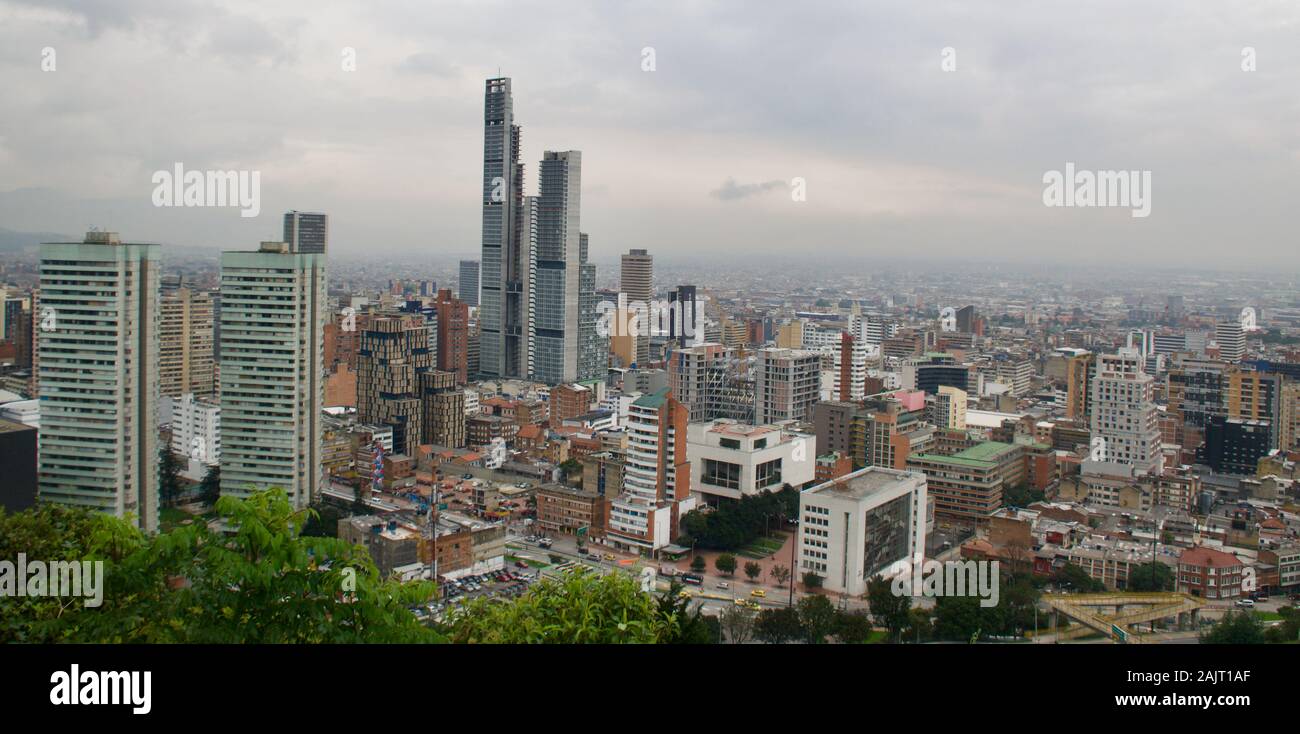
<point x="272" y="353"/>
<point x="97" y="341"/>
<point x="1125" y="427"/>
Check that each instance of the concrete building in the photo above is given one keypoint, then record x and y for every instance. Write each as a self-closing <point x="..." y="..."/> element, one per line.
<point x="98" y="380"/>
<point x="393" y="353"/>
<point x="442" y="406"/>
<point x="1125" y="426"/>
<point x="967" y="486"/>
<point x="196" y="428"/>
<point x="565" y="510"/>
<point x="1209" y="573"/>
<point x="273" y="316"/>
<point x="731" y="460"/>
<point x="656" y="492"/>
<point x="855" y="527"/>
<point x="1231" y="338"/>
<point x="636" y="279"/>
<point x="787" y="384"/>
<point x="185" y="357"/>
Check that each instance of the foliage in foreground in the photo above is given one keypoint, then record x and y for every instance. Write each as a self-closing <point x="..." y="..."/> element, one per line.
<point x="260" y="582"/>
<point x="581" y="607"/>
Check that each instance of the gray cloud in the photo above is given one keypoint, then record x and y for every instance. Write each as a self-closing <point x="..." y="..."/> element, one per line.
<point x="848" y="94"/>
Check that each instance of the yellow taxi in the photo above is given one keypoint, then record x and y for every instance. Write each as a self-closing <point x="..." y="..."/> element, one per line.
<point x="760" y="593"/>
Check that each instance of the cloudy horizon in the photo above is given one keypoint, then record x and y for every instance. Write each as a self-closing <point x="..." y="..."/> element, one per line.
<point x="899" y="156"/>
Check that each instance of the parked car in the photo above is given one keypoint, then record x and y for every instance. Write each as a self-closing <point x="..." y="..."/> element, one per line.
<point x="1246" y="603"/>
<point x="723" y="585"/>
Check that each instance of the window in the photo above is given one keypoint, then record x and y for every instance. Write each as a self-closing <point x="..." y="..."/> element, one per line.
<point x="768" y="474"/>
<point x="729" y="443"/>
<point x="721" y="474"/>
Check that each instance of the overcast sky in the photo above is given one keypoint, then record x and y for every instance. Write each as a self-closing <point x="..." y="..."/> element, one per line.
<point x="697" y="156"/>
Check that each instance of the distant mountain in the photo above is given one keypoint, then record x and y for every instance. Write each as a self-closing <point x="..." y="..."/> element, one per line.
<point x="11" y="241"/>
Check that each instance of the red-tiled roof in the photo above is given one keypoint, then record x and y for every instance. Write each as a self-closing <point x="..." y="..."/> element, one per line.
<point x="1205" y="557"/>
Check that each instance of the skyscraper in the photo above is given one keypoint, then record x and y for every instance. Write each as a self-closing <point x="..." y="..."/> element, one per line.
<point x="468" y="290"/>
<point x="97" y="337"/>
<point x="272" y="371"/>
<point x="185" y="359"/>
<point x="307" y="233"/>
<point x="637" y="281"/>
<point x="503" y="317"/>
<point x="559" y="259"/>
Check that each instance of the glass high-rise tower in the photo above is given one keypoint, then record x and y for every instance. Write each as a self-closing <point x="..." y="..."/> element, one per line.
<point x="503" y="298"/>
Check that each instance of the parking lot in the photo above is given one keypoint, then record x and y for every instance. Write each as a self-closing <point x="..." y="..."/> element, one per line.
<point x="504" y="584"/>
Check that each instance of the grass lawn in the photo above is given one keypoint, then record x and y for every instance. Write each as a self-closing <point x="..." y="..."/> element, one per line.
<point x="1269" y="616"/>
<point x="762" y="548"/>
<point x="531" y="562"/>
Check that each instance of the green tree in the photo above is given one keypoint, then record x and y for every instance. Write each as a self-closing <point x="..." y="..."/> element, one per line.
<point x="694" y="627"/>
<point x="726" y="563"/>
<point x="775" y="626"/>
<point x="359" y="495"/>
<point x="817" y="618"/>
<point x="1236" y="628"/>
<point x="738" y="623"/>
<point x="1072" y="578"/>
<point x="919" y="627"/>
<point x="888" y="610"/>
<point x="853" y="627"/>
<point x="322" y="522"/>
<point x="780" y="574"/>
<point x="210" y="487"/>
<point x="571" y="468"/>
<point x="258" y="582"/>
<point x="581" y="607"/>
<point x="957" y="617"/>
<point x="169" y="476"/>
<point x="1154" y="576"/>
<point x="698" y="564"/>
<point x="753" y="570"/>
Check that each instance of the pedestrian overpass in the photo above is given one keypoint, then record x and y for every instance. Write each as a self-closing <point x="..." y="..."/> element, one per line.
<point x="1113" y="614"/>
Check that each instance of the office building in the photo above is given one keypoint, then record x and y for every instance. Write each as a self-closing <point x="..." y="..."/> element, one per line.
<point x="732" y="460"/>
<point x="857" y="526"/>
<point x="968" y="486"/>
<point x="307" y="233"/>
<point x="98" y="376"/>
<point x="706" y="379"/>
<point x="467" y="291"/>
<point x="504" y="265"/>
<point x="557" y="342"/>
<point x="273" y="313"/>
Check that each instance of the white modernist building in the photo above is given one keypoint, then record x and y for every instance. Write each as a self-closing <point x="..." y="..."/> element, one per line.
<point x="734" y="460"/>
<point x="856" y="526"/>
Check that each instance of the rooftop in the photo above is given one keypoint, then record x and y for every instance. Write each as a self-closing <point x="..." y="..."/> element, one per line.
<point x="864" y="482"/>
